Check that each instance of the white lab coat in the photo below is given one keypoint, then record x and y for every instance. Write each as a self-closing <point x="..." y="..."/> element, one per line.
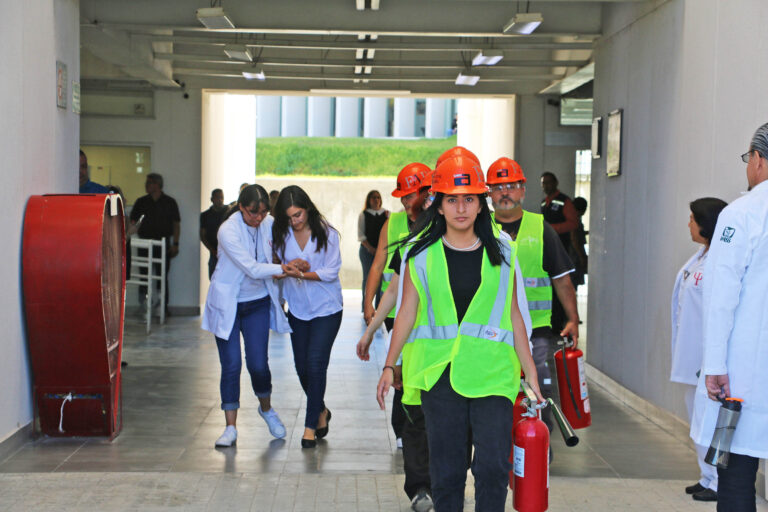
<point x="236" y="262"/>
<point x="687" y="321"/>
<point x="736" y="323"/>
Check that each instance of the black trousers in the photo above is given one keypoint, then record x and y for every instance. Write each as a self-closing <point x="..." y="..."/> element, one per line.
<point x="736" y="485"/>
<point x="415" y="452"/>
<point x="398" y="414"/>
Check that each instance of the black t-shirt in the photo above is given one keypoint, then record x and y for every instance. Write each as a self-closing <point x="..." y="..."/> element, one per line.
<point x="373" y="225"/>
<point x="159" y="216"/>
<point x="556" y="260"/>
<point x="210" y="220"/>
<point x="464" y="274"/>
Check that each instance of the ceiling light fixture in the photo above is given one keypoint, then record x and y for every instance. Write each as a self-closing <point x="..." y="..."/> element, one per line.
<point x="358" y="70"/>
<point x="523" y="23"/>
<point x="463" y="79"/>
<point x="487" y="58"/>
<point x="257" y="74"/>
<point x="238" y="52"/>
<point x="367" y="70"/>
<point x="214" y="18"/>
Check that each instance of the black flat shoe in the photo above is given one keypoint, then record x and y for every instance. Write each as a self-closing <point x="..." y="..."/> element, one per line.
<point x="693" y="489"/>
<point x="705" y="495"/>
<point x="308" y="443"/>
<point x="322" y="432"/>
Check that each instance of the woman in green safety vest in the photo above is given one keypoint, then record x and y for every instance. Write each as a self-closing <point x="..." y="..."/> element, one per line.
<point x="462" y="338"/>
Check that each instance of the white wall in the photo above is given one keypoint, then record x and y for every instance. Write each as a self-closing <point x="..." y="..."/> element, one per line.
<point x="487" y="128"/>
<point x="174" y="137"/>
<point x="689" y="75"/>
<point x="39" y="144"/>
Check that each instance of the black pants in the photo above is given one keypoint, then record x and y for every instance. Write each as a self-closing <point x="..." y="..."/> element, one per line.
<point x="156" y="252"/>
<point x="448" y="418"/>
<point x="736" y="485"/>
<point x="398" y="414"/>
<point x="415" y="452"/>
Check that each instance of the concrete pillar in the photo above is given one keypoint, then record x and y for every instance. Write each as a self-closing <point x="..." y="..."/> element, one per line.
<point x="268" y="116"/>
<point x="487" y="128"/>
<point x="347" y="117"/>
<point x="436" y="126"/>
<point x="405" y="118"/>
<point x="375" y="117"/>
<point x="293" y="116"/>
<point x="319" y="116"/>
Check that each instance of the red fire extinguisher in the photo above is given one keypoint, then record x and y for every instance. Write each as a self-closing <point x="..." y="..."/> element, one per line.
<point x="530" y="459"/>
<point x="572" y="384"/>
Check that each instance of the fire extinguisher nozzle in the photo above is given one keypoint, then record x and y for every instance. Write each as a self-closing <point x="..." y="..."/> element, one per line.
<point x="569" y="435"/>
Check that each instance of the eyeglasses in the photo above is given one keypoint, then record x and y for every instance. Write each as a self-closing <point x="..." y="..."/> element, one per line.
<point x="259" y="213"/>
<point x="507" y="186"/>
<point x="745" y="156"/>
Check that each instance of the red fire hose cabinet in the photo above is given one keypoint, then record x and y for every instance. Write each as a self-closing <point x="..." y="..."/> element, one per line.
<point x="73" y="276"/>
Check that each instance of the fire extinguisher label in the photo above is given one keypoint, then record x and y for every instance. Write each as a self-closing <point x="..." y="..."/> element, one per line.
<point x="582" y="379"/>
<point x="519" y="463"/>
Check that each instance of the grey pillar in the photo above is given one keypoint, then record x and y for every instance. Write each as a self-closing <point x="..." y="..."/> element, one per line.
<point x="347" y="117"/>
<point x="293" y="116"/>
<point x="375" y="117"/>
<point x="267" y="116"/>
<point x="405" y="118"/>
<point x="319" y="116"/>
<point x="436" y="118"/>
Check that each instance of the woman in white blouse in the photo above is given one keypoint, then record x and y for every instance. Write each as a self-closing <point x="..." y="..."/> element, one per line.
<point x="244" y="297"/>
<point x="302" y="236"/>
<point x="688" y="327"/>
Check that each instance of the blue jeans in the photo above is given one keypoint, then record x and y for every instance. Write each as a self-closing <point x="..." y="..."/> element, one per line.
<point x="252" y="319"/>
<point x="312" y="341"/>
<point x="736" y="485"/>
<point x="449" y="416"/>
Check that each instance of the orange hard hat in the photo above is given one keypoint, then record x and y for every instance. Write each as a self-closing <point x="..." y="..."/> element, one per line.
<point x="459" y="175"/>
<point x="426" y="178"/>
<point x="456" y="151"/>
<point x="505" y="170"/>
<point x="409" y="179"/>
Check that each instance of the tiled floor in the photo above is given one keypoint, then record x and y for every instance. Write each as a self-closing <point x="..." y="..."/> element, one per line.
<point x="164" y="457"/>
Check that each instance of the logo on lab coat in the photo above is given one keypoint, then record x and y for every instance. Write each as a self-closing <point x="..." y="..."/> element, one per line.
<point x="727" y="235"/>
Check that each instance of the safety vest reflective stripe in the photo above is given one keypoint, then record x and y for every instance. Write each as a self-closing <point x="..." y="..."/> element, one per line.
<point x="397" y="228"/>
<point x="540" y="305"/>
<point x="387" y="278"/>
<point x="538" y="285"/>
<point x="537" y="282"/>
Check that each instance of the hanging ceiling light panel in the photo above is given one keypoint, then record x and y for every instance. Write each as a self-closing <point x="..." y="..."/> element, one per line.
<point x="523" y="23"/>
<point x="487" y="58"/>
<point x="463" y="79"/>
<point x="214" y="18"/>
<point x="238" y="52"/>
<point x="257" y="74"/>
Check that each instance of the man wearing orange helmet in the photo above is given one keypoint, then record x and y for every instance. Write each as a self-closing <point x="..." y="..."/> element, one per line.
<point x="466" y="337"/>
<point x="544" y="263"/>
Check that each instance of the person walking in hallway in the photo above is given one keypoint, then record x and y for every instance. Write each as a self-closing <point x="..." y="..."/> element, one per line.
<point x="458" y="275"/>
<point x="687" y="327"/>
<point x="735" y="333"/>
<point x="303" y="238"/>
<point x="244" y="298"/>
<point x="369" y="225"/>
<point x="210" y="220"/>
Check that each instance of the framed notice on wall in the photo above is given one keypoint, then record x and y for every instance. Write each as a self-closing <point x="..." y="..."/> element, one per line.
<point x="597" y="134"/>
<point x="613" y="145"/>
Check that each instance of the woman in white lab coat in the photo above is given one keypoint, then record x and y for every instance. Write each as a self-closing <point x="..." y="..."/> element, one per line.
<point x="688" y="327"/>
<point x="244" y="298"/>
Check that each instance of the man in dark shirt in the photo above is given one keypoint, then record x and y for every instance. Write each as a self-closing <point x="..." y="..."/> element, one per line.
<point x="161" y="220"/>
<point x="210" y="220"/>
<point x="507" y="185"/>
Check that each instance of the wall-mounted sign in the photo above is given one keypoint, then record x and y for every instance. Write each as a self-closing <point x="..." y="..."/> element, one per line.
<point x="76" y="97"/>
<point x="61" y="84"/>
<point x="613" y="145"/>
<point x="597" y="134"/>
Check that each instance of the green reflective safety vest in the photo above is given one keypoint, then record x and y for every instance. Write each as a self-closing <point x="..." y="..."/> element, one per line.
<point x="530" y="256"/>
<point x="480" y="350"/>
<point x="396" y="229"/>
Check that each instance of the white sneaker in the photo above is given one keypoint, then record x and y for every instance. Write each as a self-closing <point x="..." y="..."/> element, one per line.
<point x="422" y="502"/>
<point x="228" y="438"/>
<point x="399" y="443"/>
<point x="276" y="427"/>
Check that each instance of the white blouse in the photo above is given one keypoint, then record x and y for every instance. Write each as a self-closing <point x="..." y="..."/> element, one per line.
<point x="311" y="299"/>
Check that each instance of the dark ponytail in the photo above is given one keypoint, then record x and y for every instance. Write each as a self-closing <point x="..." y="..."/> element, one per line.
<point x="250" y="195"/>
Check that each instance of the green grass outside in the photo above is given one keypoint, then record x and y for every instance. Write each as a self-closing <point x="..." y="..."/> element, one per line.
<point x="331" y="156"/>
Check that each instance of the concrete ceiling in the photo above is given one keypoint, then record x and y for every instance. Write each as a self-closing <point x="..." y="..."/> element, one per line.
<point x="415" y="47"/>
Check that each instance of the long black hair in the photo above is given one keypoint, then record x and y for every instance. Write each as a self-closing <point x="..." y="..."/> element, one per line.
<point x="705" y="212"/>
<point x="430" y="226"/>
<point x="252" y="194"/>
<point x="293" y="195"/>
